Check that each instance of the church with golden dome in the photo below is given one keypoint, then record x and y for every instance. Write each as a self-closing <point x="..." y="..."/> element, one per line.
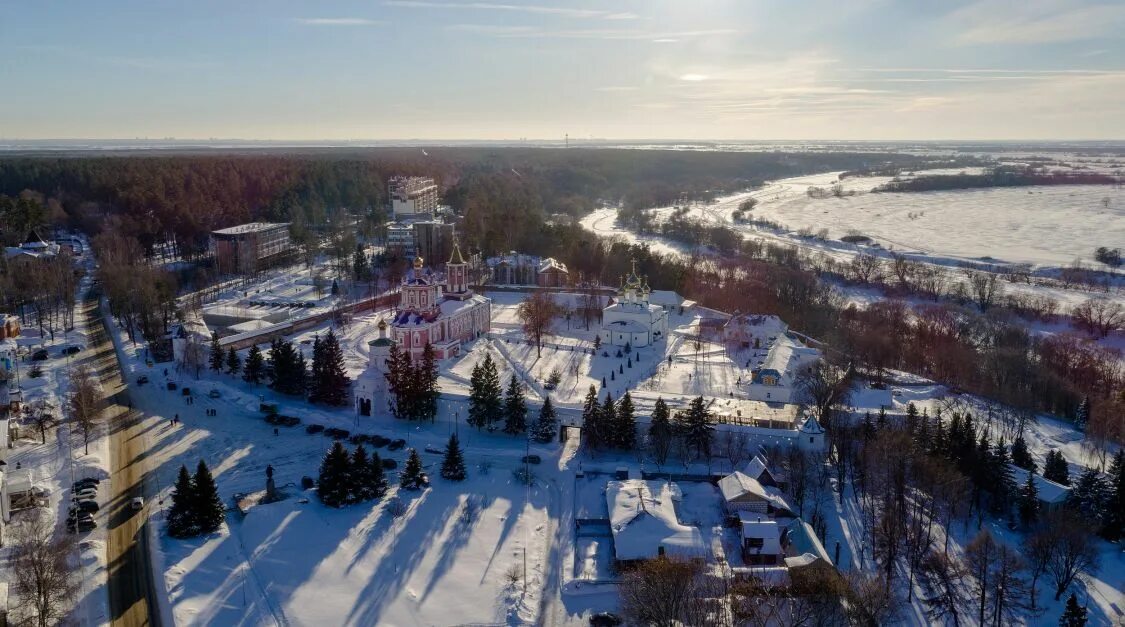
<point x="631" y="319"/>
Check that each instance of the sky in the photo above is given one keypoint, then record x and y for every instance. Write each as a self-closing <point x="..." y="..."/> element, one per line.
<point x="505" y="70"/>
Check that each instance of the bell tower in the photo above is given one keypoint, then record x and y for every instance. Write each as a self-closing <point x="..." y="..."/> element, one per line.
<point x="457" y="275"/>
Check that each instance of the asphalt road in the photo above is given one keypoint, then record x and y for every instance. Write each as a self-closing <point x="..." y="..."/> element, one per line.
<point x="132" y="589"/>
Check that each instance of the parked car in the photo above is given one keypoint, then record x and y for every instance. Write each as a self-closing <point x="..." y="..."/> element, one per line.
<point x="84" y="492"/>
<point x="40" y="355"/>
<point x="379" y="441"/>
<point x="81" y="525"/>
<point x="82" y="484"/>
<point x="73" y="349"/>
<point x="605" y="619"/>
<point x="389" y="464"/>
<point x="434" y="449"/>
<point x="548" y="386"/>
<point x="313" y="429"/>
<point x="76" y="497"/>
<point x="137" y="503"/>
<point x="141" y="380"/>
<point x="531" y="459"/>
<point x="89" y="507"/>
<point x="214" y="393"/>
<point x="396" y="444"/>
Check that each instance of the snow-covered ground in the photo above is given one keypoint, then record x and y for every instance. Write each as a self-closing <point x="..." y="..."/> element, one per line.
<point x="54" y="465"/>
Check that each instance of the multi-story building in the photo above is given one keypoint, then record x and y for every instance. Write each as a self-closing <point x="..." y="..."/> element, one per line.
<point x="400" y="239"/>
<point x="433" y="239"/>
<point x="413" y="195"/>
<point x="248" y="248"/>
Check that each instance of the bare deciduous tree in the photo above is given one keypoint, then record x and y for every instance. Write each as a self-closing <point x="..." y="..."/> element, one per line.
<point x="943" y="580"/>
<point x="669" y="592"/>
<point x="39" y="414"/>
<point x="537" y="313"/>
<point x="41" y="575"/>
<point x="84" y="403"/>
<point x="1072" y="549"/>
<point x="984" y="286"/>
<point x="1099" y="316"/>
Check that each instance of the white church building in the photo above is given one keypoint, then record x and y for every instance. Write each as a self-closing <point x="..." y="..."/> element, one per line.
<point x="632" y="319"/>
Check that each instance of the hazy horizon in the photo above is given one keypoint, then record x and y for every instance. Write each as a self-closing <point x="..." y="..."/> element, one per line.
<point x="427" y="70"/>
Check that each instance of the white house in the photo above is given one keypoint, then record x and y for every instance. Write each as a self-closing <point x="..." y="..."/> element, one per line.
<point x="761" y="539"/>
<point x="633" y="320"/>
<point x="745" y="493"/>
<point x="642" y="518"/>
<point x="775" y="369"/>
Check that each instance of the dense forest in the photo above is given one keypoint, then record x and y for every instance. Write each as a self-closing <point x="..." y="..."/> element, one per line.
<point x="997" y="177"/>
<point x="503" y="194"/>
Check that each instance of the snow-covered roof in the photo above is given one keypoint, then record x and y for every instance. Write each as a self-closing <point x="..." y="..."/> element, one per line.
<point x="804" y="546"/>
<point x="550" y="263"/>
<point x="1049" y="491"/>
<point x="634" y="308"/>
<point x="643" y="520"/>
<point x="626" y="326"/>
<point x="737" y="485"/>
<point x="761" y="325"/>
<point x="666" y="298"/>
<point x="250" y="227"/>
<point x="757" y="526"/>
<point x="446" y="309"/>
<point x="810" y="425"/>
<point x="757" y="467"/>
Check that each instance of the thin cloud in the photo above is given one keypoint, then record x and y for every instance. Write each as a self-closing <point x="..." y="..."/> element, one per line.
<point x="1035" y="22"/>
<point x="588" y="33"/>
<point x="339" y="21"/>
<point x="489" y="6"/>
<point x="616" y="88"/>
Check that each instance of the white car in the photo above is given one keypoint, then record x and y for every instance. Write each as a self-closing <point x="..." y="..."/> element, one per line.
<point x="86" y="492"/>
<point x="138" y="502"/>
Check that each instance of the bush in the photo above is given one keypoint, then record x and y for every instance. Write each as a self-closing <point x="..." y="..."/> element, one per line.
<point x="1109" y="256"/>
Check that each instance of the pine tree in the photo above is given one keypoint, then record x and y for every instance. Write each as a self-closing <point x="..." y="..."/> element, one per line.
<point x="515" y="408"/>
<point x="412" y="477"/>
<point x="881" y="423"/>
<point x="377" y="478"/>
<point x="868" y="428"/>
<point x="1020" y="455"/>
<point x="591" y="417"/>
<point x="1001" y="479"/>
<point x="1114" y="526"/>
<point x="607" y="419"/>
<point x="547" y="425"/>
<point x="335" y="288"/>
<point x="209" y="510"/>
<point x="329" y="379"/>
<point x="1029" y="500"/>
<point x="1089" y="496"/>
<point x="911" y="417"/>
<point x="359" y="476"/>
<point x="695" y="424"/>
<point x="234" y="364"/>
<point x="427" y="385"/>
<point x="1074" y="615"/>
<point x="485" y="398"/>
<point x="181" y="516"/>
<point x="625" y="430"/>
<point x="334" y="483"/>
<point x="216" y="353"/>
<point x="597" y="342"/>
<point x="660" y="431"/>
<point x="1056" y="469"/>
<point x="401" y="383"/>
<point x="255" y="365"/>
<point x="1082" y="416"/>
<point x="453" y="464"/>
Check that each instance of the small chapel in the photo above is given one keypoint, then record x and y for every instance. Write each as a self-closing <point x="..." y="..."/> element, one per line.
<point x="631" y="319"/>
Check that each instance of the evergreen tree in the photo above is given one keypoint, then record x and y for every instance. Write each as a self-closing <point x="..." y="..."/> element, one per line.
<point x="255" y="365"/>
<point x="234" y="364"/>
<point x="329" y="379"/>
<point x="1114" y="527"/>
<point x="515" y="408"/>
<point x="1074" y="615"/>
<point x="868" y="428"/>
<point x="660" y="431"/>
<point x="401" y="383"/>
<point x="939" y="443"/>
<point x="427" y="385"/>
<point x="376" y="477"/>
<point x="209" y="510"/>
<point x="361" y="270"/>
<point x="922" y="434"/>
<point x="1056" y="469"/>
<point x="335" y="288"/>
<point x="607" y="418"/>
<point x="911" y="417"/>
<point x="412" y="477"/>
<point x="334" y="483"/>
<point x="547" y="425"/>
<point x="591" y="419"/>
<point x="485" y="397"/>
<point x="1001" y="479"/>
<point x="181" y="516"/>
<point x="288" y="369"/>
<point x="625" y="429"/>
<point x="1089" y="495"/>
<point x="216" y="353"/>
<point x="881" y="423"/>
<point x="359" y="479"/>
<point x="1020" y="455"/>
<point x="695" y="424"/>
<point x="1029" y="500"/>
<point x="453" y="464"/>
<point x="1082" y="416"/>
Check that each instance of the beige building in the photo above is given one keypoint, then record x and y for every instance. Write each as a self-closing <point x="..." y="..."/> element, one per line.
<point x="248" y="248"/>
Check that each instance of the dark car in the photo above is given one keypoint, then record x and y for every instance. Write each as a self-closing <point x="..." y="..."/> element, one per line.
<point x="141" y="380"/>
<point x="605" y="619"/>
<point x="81" y="524"/>
<point x="379" y="441"/>
<point x="396" y="444"/>
<point x="312" y="429"/>
<point x="531" y="459"/>
<point x="72" y="350"/>
<point x="40" y="355"/>
<point x="82" y="484"/>
<point x="85" y="507"/>
<point x="389" y="464"/>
